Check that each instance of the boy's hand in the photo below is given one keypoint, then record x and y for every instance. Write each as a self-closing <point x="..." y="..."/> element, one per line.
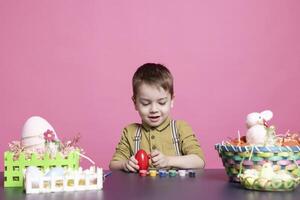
<point x="131" y="165"/>
<point x="159" y="160"/>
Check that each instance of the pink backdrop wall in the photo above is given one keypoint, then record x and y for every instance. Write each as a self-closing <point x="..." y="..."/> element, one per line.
<point x="71" y="62"/>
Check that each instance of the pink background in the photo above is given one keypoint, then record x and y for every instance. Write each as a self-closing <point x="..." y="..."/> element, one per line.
<point x="71" y="62"/>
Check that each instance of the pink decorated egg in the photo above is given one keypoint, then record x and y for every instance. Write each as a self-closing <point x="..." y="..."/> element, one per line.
<point x="33" y="133"/>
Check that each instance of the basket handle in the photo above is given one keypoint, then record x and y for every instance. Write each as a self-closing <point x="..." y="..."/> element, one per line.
<point x="84" y="156"/>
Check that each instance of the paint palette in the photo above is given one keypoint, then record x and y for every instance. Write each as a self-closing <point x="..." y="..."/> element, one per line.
<point x="168" y="173"/>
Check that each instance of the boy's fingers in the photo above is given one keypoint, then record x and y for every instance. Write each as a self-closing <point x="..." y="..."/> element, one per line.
<point x="133" y="165"/>
<point x="125" y="167"/>
<point x="155" y="159"/>
<point x="157" y="163"/>
<point x="134" y="160"/>
<point x="131" y="168"/>
<point x="155" y="153"/>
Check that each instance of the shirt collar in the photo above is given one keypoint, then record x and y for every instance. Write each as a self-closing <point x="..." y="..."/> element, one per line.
<point x="159" y="128"/>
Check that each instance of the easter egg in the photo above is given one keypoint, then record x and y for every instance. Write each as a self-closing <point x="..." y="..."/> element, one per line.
<point x="34" y="173"/>
<point x="33" y="133"/>
<point x="143" y="159"/>
<point x="56" y="171"/>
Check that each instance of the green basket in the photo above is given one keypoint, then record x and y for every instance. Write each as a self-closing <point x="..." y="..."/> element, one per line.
<point x="236" y="159"/>
<point x="13" y="169"/>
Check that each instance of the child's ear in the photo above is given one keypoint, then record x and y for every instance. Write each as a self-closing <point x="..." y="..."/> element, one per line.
<point x="172" y="101"/>
<point x="134" y="102"/>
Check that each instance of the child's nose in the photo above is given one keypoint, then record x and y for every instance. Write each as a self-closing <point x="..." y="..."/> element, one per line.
<point x="153" y="108"/>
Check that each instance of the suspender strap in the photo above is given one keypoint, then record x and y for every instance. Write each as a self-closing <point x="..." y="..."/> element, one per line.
<point x="175" y="136"/>
<point x="137" y="139"/>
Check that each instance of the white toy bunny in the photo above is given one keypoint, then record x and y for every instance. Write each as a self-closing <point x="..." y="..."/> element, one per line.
<point x="258" y="132"/>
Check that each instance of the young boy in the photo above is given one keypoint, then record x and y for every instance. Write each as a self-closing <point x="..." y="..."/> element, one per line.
<point x="171" y="144"/>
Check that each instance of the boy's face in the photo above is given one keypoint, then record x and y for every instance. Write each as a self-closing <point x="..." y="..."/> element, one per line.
<point x="153" y="104"/>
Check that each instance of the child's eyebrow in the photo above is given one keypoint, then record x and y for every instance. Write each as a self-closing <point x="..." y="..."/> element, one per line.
<point x="143" y="99"/>
<point x="160" y="99"/>
<point x="164" y="98"/>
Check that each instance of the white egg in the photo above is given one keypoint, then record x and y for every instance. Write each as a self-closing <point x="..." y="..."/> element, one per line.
<point x="56" y="171"/>
<point x="34" y="173"/>
<point x="33" y="132"/>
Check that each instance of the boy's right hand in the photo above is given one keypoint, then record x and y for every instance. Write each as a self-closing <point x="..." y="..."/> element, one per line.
<point x="131" y="165"/>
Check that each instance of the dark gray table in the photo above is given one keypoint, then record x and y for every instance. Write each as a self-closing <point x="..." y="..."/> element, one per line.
<point x="209" y="185"/>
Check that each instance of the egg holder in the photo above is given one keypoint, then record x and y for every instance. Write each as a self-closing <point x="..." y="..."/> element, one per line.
<point x="236" y="159"/>
<point x="73" y="180"/>
<point x="13" y="169"/>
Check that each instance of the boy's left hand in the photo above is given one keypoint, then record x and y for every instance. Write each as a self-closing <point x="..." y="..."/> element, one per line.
<point x="159" y="160"/>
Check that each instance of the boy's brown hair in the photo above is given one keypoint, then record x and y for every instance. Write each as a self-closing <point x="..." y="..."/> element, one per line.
<point x="153" y="74"/>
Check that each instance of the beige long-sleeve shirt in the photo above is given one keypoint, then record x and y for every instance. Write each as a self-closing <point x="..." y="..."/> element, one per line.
<point x="159" y="138"/>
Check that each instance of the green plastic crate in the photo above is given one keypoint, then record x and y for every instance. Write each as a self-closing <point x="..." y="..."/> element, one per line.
<point x="13" y="169"/>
